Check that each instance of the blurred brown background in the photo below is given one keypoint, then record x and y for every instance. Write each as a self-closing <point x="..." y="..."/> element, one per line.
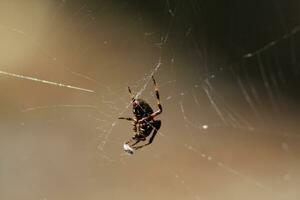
<point x="230" y="122"/>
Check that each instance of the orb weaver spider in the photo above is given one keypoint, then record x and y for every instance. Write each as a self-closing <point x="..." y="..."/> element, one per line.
<point x="144" y="123"/>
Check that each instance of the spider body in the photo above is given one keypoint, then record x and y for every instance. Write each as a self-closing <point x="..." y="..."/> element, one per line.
<point x="144" y="123"/>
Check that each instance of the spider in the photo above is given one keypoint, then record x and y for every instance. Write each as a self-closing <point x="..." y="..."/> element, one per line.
<point x="144" y="122"/>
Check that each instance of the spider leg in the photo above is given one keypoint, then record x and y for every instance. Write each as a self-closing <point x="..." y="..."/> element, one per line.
<point x="132" y="140"/>
<point x="157" y="100"/>
<point x="131" y="95"/>
<point x="134" y="122"/>
<point x="149" y="142"/>
<point x="136" y="142"/>
<point x="127" y="118"/>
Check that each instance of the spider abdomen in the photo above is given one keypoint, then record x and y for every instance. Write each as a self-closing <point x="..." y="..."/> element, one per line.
<point x="143" y="109"/>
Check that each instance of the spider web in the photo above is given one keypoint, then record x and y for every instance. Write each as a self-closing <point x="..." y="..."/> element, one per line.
<point x="228" y="126"/>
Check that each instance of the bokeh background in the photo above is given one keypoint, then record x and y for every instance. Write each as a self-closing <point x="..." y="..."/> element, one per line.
<point x="228" y="74"/>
